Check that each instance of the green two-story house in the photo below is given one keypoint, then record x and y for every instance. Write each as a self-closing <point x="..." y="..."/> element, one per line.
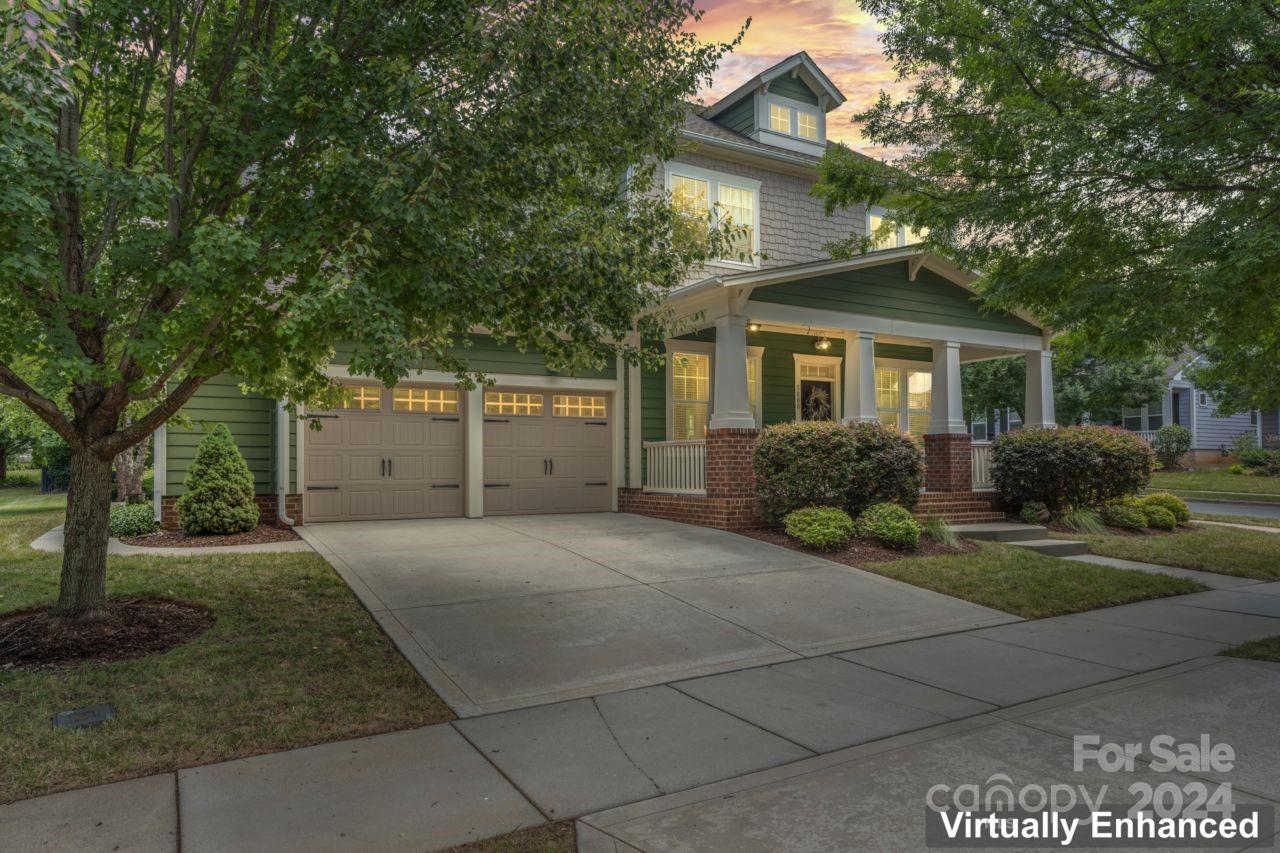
<point x="790" y="335"/>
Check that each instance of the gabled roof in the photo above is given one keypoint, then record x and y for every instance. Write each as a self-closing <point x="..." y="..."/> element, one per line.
<point x="801" y="65"/>
<point x="698" y="129"/>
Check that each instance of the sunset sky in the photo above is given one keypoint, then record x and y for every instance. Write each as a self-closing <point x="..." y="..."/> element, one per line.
<point x="839" y="36"/>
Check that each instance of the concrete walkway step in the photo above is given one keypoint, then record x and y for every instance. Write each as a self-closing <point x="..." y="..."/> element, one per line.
<point x="1001" y="531"/>
<point x="1054" y="547"/>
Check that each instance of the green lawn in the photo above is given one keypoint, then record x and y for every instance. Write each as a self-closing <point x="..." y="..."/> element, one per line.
<point x="292" y="660"/>
<point x="1268" y="650"/>
<point x="1030" y="585"/>
<point x="1207" y="483"/>
<point x="1225" y="550"/>
<point x="1237" y="519"/>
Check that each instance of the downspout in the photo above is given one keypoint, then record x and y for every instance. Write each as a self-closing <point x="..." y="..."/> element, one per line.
<point x="159" y="468"/>
<point x="282" y="462"/>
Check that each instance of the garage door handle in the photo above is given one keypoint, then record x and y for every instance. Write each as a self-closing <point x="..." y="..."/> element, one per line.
<point x="444" y="485"/>
<point x="497" y="485"/>
<point x="322" y="488"/>
<point x="455" y="420"/>
<point x="596" y="484"/>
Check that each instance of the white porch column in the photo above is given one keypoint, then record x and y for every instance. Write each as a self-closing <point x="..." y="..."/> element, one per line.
<point x="947" y="416"/>
<point x="860" y="377"/>
<point x="1166" y="407"/>
<point x="1039" y="409"/>
<point x="730" y="407"/>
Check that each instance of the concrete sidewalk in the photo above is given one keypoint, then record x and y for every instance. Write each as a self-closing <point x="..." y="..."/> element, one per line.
<point x="795" y="722"/>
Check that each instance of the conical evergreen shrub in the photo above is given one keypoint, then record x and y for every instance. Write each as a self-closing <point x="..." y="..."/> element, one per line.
<point x="219" y="497"/>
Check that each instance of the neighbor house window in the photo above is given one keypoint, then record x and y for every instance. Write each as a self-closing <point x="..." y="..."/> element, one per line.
<point x="434" y="400"/>
<point x="366" y="397"/>
<point x="690" y="395"/>
<point x="780" y="119"/>
<point x="574" y="406"/>
<point x="806" y="125"/>
<point x="508" y="403"/>
<point x="733" y="200"/>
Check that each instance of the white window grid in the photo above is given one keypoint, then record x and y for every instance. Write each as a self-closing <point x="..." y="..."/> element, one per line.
<point x="512" y="403"/>
<point x="576" y="406"/>
<point x="442" y="401"/>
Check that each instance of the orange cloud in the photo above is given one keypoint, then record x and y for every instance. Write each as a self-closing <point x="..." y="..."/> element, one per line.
<point x="840" y="37"/>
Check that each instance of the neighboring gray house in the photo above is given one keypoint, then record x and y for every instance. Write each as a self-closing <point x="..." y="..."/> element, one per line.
<point x="1212" y="435"/>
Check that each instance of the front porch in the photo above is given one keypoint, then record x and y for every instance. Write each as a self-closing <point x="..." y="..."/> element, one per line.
<point x="878" y="338"/>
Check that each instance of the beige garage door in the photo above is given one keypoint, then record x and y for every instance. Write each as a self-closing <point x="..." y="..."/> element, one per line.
<point x="547" y="452"/>
<point x="386" y="453"/>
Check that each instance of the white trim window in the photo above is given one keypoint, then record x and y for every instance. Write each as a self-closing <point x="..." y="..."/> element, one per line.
<point x="780" y="118"/>
<point x="807" y="125"/>
<point x="689" y="372"/>
<point x="911" y="411"/>
<point x="755" y="386"/>
<point x="733" y="200"/>
<point x="817" y="387"/>
<point x="894" y="239"/>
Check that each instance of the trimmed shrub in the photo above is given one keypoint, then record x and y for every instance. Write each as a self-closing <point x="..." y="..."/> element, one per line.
<point x="219" y="497"/>
<point x="1236" y="468"/>
<point x="132" y="519"/>
<point x="1123" y="514"/>
<point x="849" y="466"/>
<point x="1077" y="466"/>
<point x="1033" y="512"/>
<point x="1176" y="506"/>
<point x="823" y="527"/>
<point x="1170" y="443"/>
<point x="1158" y="518"/>
<point x="890" y="525"/>
<point x="1264" y="462"/>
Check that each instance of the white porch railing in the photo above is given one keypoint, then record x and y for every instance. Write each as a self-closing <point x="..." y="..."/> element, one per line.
<point x="1146" y="434"/>
<point x="982" y="465"/>
<point x="676" y="467"/>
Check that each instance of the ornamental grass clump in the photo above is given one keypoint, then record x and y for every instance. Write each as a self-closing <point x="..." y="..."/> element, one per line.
<point x="849" y="466"/>
<point x="823" y="527"/>
<point x="219" y="496"/>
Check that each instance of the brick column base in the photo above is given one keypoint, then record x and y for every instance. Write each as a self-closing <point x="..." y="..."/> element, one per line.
<point x="948" y="463"/>
<point x="730" y="473"/>
<point x="730" y="501"/>
<point x="267" y="507"/>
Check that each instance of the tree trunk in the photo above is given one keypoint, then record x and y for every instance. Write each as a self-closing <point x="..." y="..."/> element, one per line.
<point x="131" y="464"/>
<point x="83" y="594"/>
<point x="4" y="463"/>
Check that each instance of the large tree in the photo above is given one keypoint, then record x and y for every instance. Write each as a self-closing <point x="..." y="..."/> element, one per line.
<point x="201" y="187"/>
<point x="1111" y="165"/>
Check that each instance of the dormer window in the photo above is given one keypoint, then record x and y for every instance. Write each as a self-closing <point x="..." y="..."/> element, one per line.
<point x="807" y="125"/>
<point x="780" y="118"/>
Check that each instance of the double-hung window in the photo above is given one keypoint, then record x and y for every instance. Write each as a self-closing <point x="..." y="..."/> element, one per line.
<point x="895" y="237"/>
<point x="909" y="412"/>
<point x="690" y="395"/>
<point x="722" y="199"/>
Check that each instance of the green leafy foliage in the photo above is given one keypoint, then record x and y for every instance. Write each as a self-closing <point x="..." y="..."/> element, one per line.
<point x="891" y="525"/>
<point x="821" y="463"/>
<point x="1079" y="466"/>
<point x="939" y="530"/>
<point x="1171" y="443"/>
<point x="1264" y="462"/>
<point x="1108" y="170"/>
<point x="1236" y="468"/>
<point x="1123" y="514"/>
<point x="1176" y="506"/>
<point x="1033" y="512"/>
<point x="1082" y="520"/>
<point x="219" y="496"/>
<point x="132" y="519"/>
<point x="1157" y="517"/>
<point x="823" y="527"/>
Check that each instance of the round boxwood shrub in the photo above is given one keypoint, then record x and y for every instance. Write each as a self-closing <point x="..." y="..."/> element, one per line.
<point x="132" y="519"/>
<point x="890" y="525"/>
<point x="1158" y="518"/>
<point x="1123" y="514"/>
<point x="849" y="466"/>
<point x="1170" y="443"/>
<point x="823" y="527"/>
<point x="1077" y="466"/>
<point x="1033" y="512"/>
<point x="219" y="496"/>
<point x="1176" y="506"/>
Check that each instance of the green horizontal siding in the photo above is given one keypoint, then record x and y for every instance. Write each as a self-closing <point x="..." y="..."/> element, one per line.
<point x="793" y="88"/>
<point x="489" y="355"/>
<point x="741" y="117"/>
<point x="902" y="352"/>
<point x="885" y="291"/>
<point x="251" y="419"/>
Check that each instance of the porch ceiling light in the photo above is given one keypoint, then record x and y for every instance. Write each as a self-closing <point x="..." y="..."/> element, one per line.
<point x="822" y="344"/>
<point x="753" y="327"/>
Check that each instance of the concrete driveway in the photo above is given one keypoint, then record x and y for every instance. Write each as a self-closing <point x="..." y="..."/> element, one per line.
<point x="513" y="612"/>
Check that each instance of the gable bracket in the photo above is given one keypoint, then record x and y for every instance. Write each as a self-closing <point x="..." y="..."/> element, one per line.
<point x="913" y="266"/>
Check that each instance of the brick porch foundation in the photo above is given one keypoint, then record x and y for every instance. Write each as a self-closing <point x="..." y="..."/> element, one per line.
<point x="960" y="507"/>
<point x="729" y="503"/>
<point x="267" y="505"/>
<point x="948" y="463"/>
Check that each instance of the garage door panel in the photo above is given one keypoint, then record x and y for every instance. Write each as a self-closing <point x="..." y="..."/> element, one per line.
<point x="498" y="467"/>
<point x="596" y="437"/>
<point x="529" y="466"/>
<point x="444" y="434"/>
<point x="329" y="433"/>
<point x="408" y="432"/>
<point x="325" y="505"/>
<point x="498" y="434"/>
<point x="596" y="497"/>
<point x="444" y="501"/>
<point x="406" y="468"/>
<point x="326" y="468"/>
<point x="530" y="433"/>
<point x="441" y="467"/>
<point x="364" y="467"/>
<point x="362" y="432"/>
<point x="595" y="467"/>
<point x="364" y="503"/>
<point x="498" y="499"/>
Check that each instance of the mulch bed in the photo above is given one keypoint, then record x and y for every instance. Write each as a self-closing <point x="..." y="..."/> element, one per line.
<point x="133" y="628"/>
<point x="859" y="551"/>
<point x="177" y="539"/>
